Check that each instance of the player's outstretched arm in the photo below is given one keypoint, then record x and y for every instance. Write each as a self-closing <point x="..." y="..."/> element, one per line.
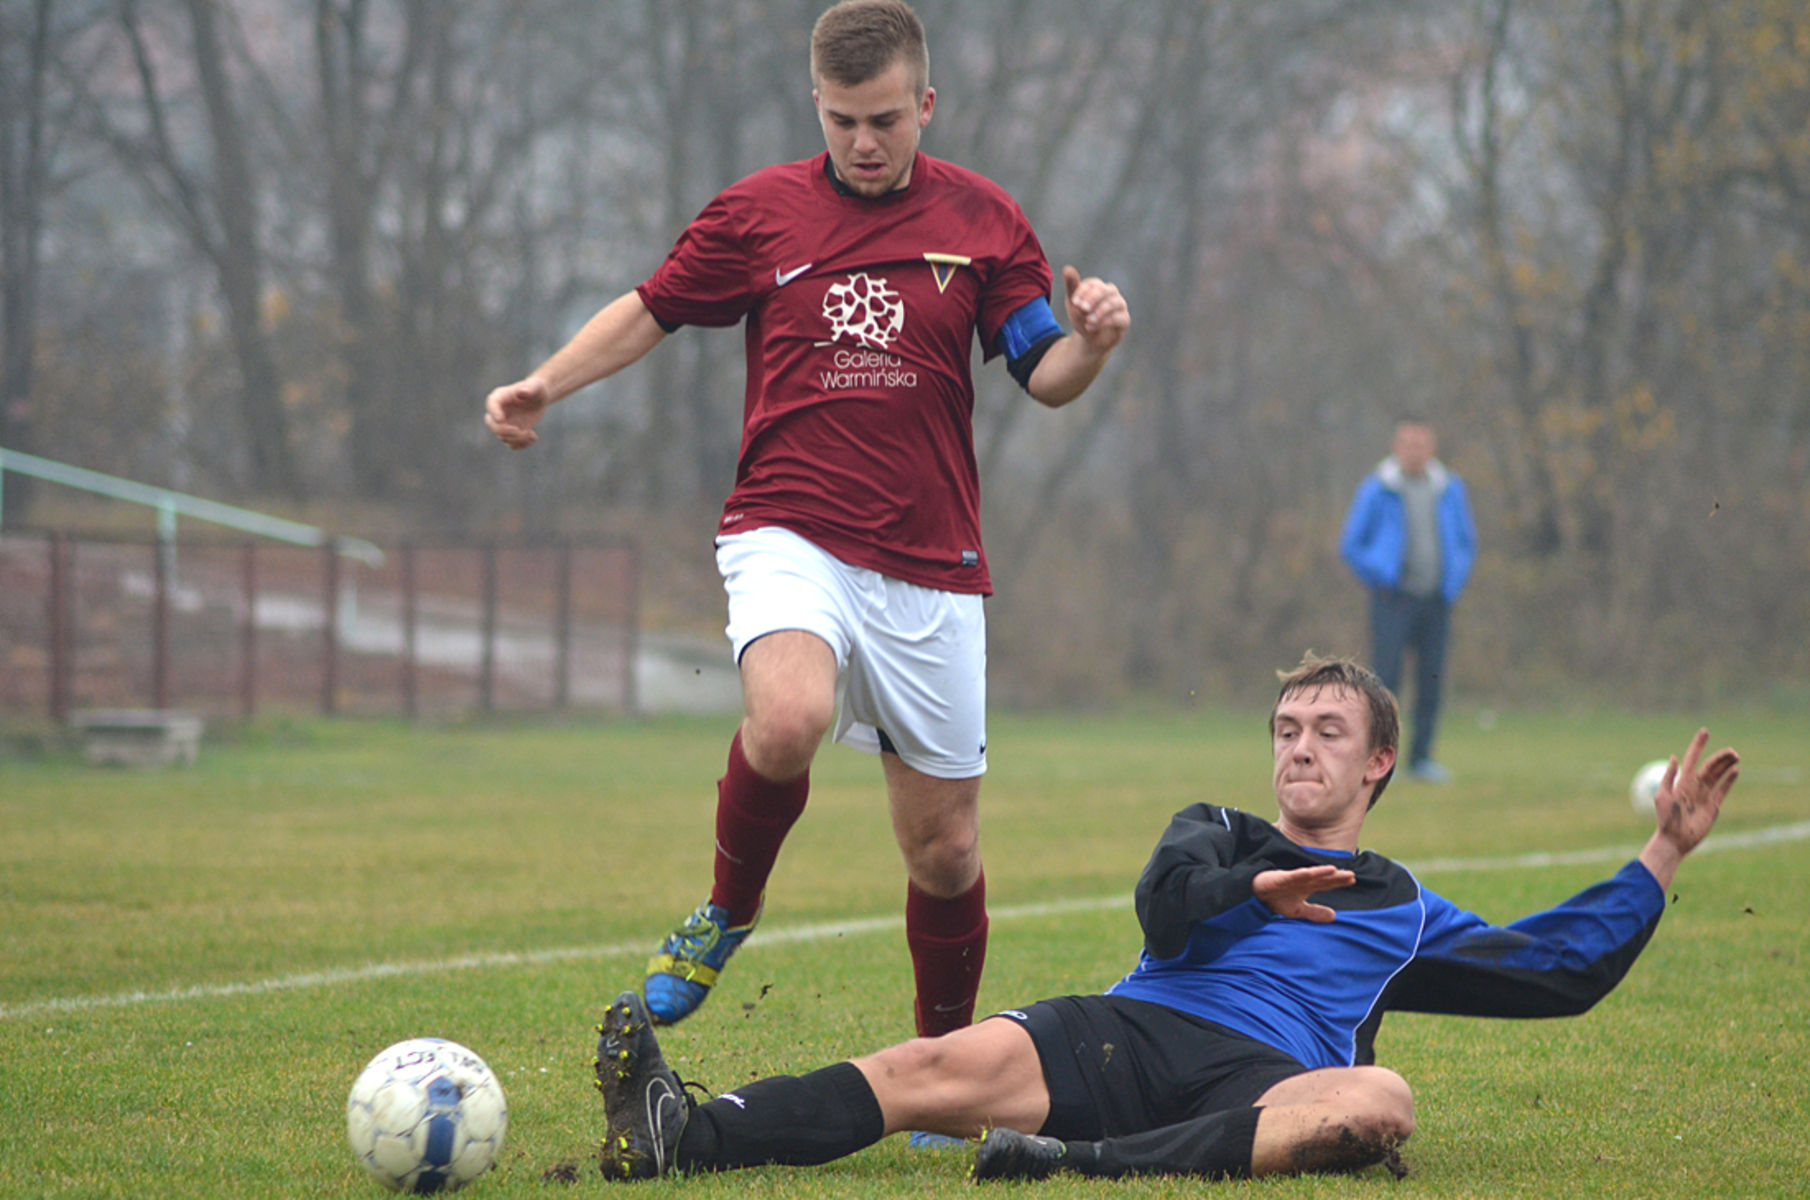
<point x="1688" y="802"/>
<point x="1097" y="320"/>
<point x="619" y="334"/>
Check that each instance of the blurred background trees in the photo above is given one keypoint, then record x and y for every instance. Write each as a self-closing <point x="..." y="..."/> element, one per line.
<point x="275" y="252"/>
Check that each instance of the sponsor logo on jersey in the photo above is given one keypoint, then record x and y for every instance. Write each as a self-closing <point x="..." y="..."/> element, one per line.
<point x="781" y="278"/>
<point x="866" y="369"/>
<point x="866" y="310"/>
<point x="943" y="266"/>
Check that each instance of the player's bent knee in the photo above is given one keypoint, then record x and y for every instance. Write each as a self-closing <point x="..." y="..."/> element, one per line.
<point x="943" y="868"/>
<point x="1373" y="1104"/>
<point x="1383" y="1105"/>
<point x="943" y="855"/>
<point x="780" y="741"/>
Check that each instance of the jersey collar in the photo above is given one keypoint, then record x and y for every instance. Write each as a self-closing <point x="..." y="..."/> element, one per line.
<point x="842" y="189"/>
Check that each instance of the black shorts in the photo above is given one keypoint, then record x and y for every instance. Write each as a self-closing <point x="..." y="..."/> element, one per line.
<point x="1116" y="1066"/>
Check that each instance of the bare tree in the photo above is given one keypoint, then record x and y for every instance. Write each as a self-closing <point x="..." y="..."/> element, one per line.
<point x="24" y="188"/>
<point x="186" y="143"/>
<point x="34" y="131"/>
<point x="1575" y="232"/>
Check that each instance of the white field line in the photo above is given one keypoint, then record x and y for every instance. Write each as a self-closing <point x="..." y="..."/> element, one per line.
<point x="821" y="932"/>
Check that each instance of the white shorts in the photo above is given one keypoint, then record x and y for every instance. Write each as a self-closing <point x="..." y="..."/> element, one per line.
<point x="910" y="660"/>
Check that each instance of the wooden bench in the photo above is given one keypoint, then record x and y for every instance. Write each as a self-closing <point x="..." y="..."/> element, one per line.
<point x="138" y="737"/>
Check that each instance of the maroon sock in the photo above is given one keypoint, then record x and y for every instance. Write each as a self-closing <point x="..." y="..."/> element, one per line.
<point x="753" y="816"/>
<point x="948" y="941"/>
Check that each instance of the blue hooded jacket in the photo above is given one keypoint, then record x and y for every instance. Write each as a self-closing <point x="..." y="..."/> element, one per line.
<point x="1376" y="529"/>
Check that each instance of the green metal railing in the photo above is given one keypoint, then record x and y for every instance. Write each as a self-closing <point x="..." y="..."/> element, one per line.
<point x="612" y="571"/>
<point x="171" y="505"/>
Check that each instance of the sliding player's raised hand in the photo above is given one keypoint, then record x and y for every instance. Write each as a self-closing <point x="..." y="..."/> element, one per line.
<point x="1690" y="796"/>
<point x="1687" y="804"/>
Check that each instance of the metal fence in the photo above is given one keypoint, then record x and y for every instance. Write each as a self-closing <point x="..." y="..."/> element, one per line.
<point x="232" y="628"/>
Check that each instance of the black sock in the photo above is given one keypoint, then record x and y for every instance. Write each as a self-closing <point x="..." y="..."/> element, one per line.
<point x="798" y="1120"/>
<point x="1217" y="1146"/>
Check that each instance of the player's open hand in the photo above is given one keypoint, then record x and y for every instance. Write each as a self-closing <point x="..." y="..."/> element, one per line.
<point x="1096" y="310"/>
<point x="512" y="411"/>
<point x="1286" y="892"/>
<point x="1690" y="796"/>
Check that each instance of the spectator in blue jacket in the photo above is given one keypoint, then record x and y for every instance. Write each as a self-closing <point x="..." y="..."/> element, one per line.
<point x="1411" y="540"/>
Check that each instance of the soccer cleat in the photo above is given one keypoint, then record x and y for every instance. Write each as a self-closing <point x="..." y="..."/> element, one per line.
<point x="644" y="1104"/>
<point x="923" y="1139"/>
<point x="1428" y="771"/>
<point x="1008" y="1154"/>
<point x="680" y="976"/>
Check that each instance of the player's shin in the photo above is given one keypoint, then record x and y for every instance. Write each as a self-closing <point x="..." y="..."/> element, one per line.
<point x="1217" y="1146"/>
<point x="948" y="942"/>
<point x="753" y="816"/>
<point x="793" y="1120"/>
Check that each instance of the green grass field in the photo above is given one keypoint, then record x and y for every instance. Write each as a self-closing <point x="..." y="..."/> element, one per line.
<point x="195" y="964"/>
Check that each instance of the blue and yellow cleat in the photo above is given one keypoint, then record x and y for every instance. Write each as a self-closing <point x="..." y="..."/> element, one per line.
<point x="681" y="975"/>
<point x="923" y="1139"/>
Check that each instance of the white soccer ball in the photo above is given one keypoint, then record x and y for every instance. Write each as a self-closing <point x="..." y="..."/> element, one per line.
<point x="426" y="1115"/>
<point x="1646" y="785"/>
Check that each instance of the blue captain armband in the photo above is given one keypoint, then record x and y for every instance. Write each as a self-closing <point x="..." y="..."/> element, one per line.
<point x="1025" y="337"/>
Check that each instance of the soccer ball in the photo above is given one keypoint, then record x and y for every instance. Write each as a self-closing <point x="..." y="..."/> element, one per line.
<point x="1646" y="785"/>
<point x="426" y="1115"/>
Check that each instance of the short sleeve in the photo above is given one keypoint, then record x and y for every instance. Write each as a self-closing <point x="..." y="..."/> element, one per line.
<point x="1023" y="276"/>
<point x="707" y="278"/>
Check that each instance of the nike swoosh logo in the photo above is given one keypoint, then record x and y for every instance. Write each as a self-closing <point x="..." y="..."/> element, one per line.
<point x="658" y="1093"/>
<point x="781" y="278"/>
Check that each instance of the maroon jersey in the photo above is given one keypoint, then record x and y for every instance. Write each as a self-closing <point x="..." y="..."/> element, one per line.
<point x="857" y="425"/>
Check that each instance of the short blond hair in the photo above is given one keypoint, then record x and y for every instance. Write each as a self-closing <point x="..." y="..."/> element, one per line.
<point x="857" y="40"/>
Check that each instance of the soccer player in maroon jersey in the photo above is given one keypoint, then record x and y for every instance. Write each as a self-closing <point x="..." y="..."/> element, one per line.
<point x="850" y="546"/>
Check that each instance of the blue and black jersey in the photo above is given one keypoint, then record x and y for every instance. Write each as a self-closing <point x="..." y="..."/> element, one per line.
<point x="1318" y="990"/>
